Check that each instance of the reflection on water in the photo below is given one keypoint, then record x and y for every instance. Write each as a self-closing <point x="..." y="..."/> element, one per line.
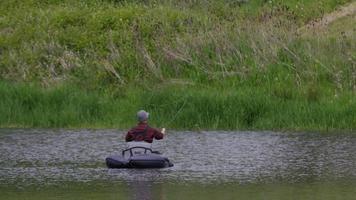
<point x="142" y="190"/>
<point x="50" y="156"/>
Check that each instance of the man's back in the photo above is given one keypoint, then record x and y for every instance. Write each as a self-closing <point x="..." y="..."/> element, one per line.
<point x="143" y="133"/>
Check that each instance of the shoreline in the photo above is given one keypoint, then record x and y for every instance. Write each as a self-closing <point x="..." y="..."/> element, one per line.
<point x="177" y="108"/>
<point x="201" y="131"/>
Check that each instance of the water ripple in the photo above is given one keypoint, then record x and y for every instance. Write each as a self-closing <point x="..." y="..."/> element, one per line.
<point x="29" y="156"/>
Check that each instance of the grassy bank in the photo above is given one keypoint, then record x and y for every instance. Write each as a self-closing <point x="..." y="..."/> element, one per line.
<point x="224" y="108"/>
<point x="193" y="64"/>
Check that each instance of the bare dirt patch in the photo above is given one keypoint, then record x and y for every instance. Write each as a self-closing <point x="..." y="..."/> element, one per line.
<point x="347" y="10"/>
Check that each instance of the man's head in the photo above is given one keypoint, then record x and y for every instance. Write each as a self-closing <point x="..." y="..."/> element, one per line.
<point x="142" y="116"/>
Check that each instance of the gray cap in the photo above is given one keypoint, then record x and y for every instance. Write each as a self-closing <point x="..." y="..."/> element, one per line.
<point x="142" y="115"/>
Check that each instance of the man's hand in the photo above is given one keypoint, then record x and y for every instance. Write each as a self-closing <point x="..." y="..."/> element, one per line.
<point x="163" y="130"/>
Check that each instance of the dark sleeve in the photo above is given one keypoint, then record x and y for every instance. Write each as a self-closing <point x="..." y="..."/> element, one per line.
<point x="129" y="136"/>
<point x="158" y="135"/>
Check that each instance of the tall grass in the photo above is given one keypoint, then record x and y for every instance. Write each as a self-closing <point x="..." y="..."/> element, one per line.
<point x="24" y="105"/>
<point x="182" y="107"/>
<point x="248" y="108"/>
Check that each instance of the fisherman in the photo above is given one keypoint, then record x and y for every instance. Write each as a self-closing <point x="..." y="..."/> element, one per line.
<point x="142" y="135"/>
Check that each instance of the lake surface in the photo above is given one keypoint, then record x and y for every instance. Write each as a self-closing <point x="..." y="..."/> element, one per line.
<point x="70" y="164"/>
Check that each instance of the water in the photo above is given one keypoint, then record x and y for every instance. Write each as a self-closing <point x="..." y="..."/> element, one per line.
<point x="67" y="164"/>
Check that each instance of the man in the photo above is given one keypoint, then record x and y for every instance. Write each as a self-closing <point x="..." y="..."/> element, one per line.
<point x="142" y="135"/>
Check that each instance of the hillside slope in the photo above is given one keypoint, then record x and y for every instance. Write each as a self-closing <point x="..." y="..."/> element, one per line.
<point x="216" y="64"/>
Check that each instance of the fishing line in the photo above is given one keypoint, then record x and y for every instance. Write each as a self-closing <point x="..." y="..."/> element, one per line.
<point x="175" y="115"/>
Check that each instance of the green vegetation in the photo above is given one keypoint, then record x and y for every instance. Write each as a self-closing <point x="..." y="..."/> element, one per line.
<point x="315" y="190"/>
<point x="216" y="107"/>
<point x="213" y="64"/>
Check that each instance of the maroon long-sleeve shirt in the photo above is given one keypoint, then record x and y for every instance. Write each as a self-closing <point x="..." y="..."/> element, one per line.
<point x="142" y="132"/>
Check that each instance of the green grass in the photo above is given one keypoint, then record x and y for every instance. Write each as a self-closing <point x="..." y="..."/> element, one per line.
<point x="218" y="64"/>
<point x="312" y="190"/>
<point x="225" y="108"/>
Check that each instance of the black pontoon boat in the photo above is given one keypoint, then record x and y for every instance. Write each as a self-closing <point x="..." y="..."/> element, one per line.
<point x="138" y="157"/>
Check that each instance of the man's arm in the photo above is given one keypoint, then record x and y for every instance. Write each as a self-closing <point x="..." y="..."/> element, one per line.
<point x="129" y="136"/>
<point x="158" y="134"/>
